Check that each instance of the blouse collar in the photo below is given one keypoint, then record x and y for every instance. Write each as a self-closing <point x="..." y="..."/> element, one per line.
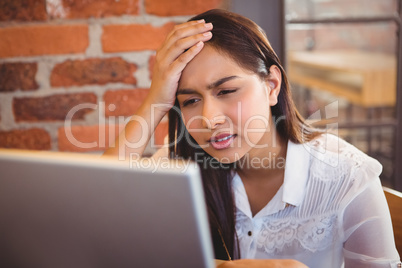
<point x="296" y="173"/>
<point x="293" y="188"/>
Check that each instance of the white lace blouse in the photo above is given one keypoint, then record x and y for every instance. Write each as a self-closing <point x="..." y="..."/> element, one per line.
<point x="329" y="212"/>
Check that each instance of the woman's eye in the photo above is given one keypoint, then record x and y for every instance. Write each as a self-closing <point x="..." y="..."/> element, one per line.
<point x="226" y="91"/>
<point x="189" y="102"/>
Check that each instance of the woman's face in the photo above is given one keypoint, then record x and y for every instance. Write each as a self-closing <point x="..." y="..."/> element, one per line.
<point x="225" y="108"/>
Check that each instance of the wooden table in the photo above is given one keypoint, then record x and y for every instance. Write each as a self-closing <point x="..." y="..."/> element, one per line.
<point x="366" y="79"/>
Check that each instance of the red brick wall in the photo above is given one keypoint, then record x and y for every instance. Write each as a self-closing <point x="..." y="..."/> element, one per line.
<point x="85" y="60"/>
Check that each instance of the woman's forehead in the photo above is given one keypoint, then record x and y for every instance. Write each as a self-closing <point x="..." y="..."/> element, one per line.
<point x="208" y="66"/>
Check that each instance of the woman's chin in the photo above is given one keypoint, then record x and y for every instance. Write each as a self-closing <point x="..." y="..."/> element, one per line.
<point x="228" y="158"/>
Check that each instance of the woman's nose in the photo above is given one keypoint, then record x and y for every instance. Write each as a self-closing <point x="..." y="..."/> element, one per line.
<point x="212" y="116"/>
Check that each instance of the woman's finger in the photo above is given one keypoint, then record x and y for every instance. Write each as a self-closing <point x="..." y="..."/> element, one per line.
<point x="185" y="32"/>
<point x="180" y="47"/>
<point x="180" y="63"/>
<point x="184" y="25"/>
<point x="183" y="44"/>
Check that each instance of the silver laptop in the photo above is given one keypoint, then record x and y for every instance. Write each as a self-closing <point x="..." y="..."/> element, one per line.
<point x="66" y="210"/>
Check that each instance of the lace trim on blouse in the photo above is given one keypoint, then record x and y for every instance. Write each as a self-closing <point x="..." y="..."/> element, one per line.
<point x="316" y="223"/>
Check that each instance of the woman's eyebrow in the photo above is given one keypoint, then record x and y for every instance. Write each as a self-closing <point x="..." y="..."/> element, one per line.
<point x="217" y="83"/>
<point x="221" y="81"/>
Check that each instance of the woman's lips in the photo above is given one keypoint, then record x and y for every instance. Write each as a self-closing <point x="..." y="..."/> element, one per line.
<point x="222" y="141"/>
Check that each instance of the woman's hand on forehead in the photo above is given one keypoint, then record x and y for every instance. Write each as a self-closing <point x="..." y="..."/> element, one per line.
<point x="182" y="44"/>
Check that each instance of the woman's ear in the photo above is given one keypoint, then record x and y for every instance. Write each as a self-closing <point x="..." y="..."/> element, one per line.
<point x="273" y="82"/>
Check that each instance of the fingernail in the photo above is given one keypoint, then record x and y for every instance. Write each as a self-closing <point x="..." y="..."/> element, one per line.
<point x="208" y="25"/>
<point x="200" y="21"/>
<point x="207" y="34"/>
<point x="199" y="44"/>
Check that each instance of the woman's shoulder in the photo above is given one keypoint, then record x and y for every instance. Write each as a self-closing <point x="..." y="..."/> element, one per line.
<point x="339" y="171"/>
<point x="330" y="153"/>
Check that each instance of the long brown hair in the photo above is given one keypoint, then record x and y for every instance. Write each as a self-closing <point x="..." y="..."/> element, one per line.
<point x="246" y="43"/>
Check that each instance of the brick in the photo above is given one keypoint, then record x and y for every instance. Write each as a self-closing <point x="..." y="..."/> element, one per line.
<point x="124" y="102"/>
<point x="23" y="10"/>
<point x="93" y="8"/>
<point x="35" y="40"/>
<point x="15" y="76"/>
<point x="180" y="7"/>
<point x="88" y="138"/>
<point x="93" y="71"/>
<point x="52" y="108"/>
<point x="121" y="38"/>
<point x="99" y="138"/>
<point x="31" y="139"/>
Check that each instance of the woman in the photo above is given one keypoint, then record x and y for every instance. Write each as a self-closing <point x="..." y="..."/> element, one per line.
<point x="275" y="188"/>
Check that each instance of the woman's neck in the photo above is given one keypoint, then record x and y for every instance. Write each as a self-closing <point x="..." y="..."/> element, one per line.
<point x="262" y="172"/>
<point x="265" y="162"/>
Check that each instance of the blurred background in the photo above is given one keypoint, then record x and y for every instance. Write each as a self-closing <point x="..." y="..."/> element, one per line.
<point x="90" y="62"/>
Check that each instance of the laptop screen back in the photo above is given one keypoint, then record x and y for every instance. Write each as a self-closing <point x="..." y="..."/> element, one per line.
<point x="62" y="210"/>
